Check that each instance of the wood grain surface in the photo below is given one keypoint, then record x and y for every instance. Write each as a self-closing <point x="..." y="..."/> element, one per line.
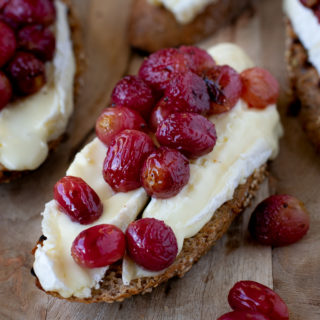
<point x="202" y="294"/>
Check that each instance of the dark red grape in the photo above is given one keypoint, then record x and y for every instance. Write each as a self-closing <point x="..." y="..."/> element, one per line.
<point x="224" y="87"/>
<point x="279" y="220"/>
<point x="151" y="244"/>
<point x="254" y="296"/>
<point x="159" y="113"/>
<point x="161" y="66"/>
<point x="190" y="133"/>
<point x="125" y="157"/>
<point x="38" y="40"/>
<point x="187" y="92"/>
<point x="165" y="172"/>
<point x="199" y="60"/>
<point x="260" y="88"/>
<point x="132" y="92"/>
<point x="78" y="200"/>
<point x="27" y="73"/>
<point x="7" y="43"/>
<point x="114" y="120"/>
<point x="98" y="246"/>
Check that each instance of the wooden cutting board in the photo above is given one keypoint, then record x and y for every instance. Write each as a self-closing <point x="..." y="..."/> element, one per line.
<point x="202" y="294"/>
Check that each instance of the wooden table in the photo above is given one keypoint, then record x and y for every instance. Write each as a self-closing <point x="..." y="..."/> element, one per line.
<point x="293" y="271"/>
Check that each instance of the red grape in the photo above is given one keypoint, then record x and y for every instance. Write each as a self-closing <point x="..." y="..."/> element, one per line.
<point x="254" y="296"/>
<point x="187" y="92"/>
<point x="199" y="60"/>
<point x="151" y="244"/>
<point x="190" y="133"/>
<point x="5" y="90"/>
<point x="7" y="43"/>
<point x="27" y="73"/>
<point x="124" y="159"/>
<point x="159" y="113"/>
<point x="22" y="12"/>
<point x="38" y="40"/>
<point x="98" y="246"/>
<point x="3" y="3"/>
<point x="132" y="92"/>
<point x="161" y="66"/>
<point x="243" y="315"/>
<point x="78" y="200"/>
<point x="279" y="220"/>
<point x="114" y="120"/>
<point x="224" y="87"/>
<point x="259" y="88"/>
<point x="164" y="173"/>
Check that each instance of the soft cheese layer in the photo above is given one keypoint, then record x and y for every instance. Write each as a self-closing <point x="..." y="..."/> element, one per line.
<point x="307" y="28"/>
<point x="54" y="265"/>
<point x="184" y="10"/>
<point x="27" y="125"/>
<point x="247" y="138"/>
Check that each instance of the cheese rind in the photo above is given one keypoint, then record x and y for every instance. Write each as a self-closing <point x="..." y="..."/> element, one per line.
<point x="307" y="27"/>
<point x="28" y="124"/>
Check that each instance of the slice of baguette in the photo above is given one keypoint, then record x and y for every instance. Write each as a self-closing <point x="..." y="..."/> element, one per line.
<point x="7" y="175"/>
<point x="153" y="27"/>
<point x="305" y="84"/>
<point x="112" y="289"/>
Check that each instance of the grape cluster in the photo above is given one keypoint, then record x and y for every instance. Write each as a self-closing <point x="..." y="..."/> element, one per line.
<point x="26" y="43"/>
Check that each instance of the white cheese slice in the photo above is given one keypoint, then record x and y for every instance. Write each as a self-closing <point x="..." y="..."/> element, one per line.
<point x="54" y="265"/>
<point x="247" y="138"/>
<point x="28" y="124"/>
<point x="184" y="10"/>
<point x="307" y="27"/>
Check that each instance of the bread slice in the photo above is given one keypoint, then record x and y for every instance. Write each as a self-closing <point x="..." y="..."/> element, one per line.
<point x="112" y="289"/>
<point x="7" y="175"/>
<point x="153" y="27"/>
<point x="305" y="82"/>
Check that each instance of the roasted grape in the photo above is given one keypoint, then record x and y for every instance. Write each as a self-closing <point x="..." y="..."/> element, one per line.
<point x="187" y="92"/>
<point x="22" y="12"/>
<point x="224" y="87"/>
<point x="259" y="88"/>
<point x="159" y="113"/>
<point x="279" y="220"/>
<point x="125" y="157"/>
<point x="78" y="200"/>
<point x="151" y="244"/>
<point x="161" y="66"/>
<point x="254" y="296"/>
<point x="114" y="120"/>
<point x="5" y="90"/>
<point x="165" y="172"/>
<point x="199" y="60"/>
<point x="190" y="133"/>
<point x="38" y="40"/>
<point x="243" y="315"/>
<point x="132" y="92"/>
<point x="7" y="43"/>
<point x="27" y="73"/>
<point x="98" y="246"/>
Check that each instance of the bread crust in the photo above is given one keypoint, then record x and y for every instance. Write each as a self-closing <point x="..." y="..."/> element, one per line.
<point x="7" y="175"/>
<point x="153" y="27"/>
<point x="305" y="85"/>
<point x="112" y="289"/>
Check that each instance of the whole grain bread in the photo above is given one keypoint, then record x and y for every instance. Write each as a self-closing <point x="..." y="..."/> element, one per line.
<point x="153" y="27"/>
<point x="112" y="289"/>
<point x="7" y="175"/>
<point x="305" y="84"/>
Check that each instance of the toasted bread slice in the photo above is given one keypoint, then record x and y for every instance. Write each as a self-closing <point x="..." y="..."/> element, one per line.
<point x="305" y="81"/>
<point x="112" y="288"/>
<point x="7" y="175"/>
<point x="153" y="27"/>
